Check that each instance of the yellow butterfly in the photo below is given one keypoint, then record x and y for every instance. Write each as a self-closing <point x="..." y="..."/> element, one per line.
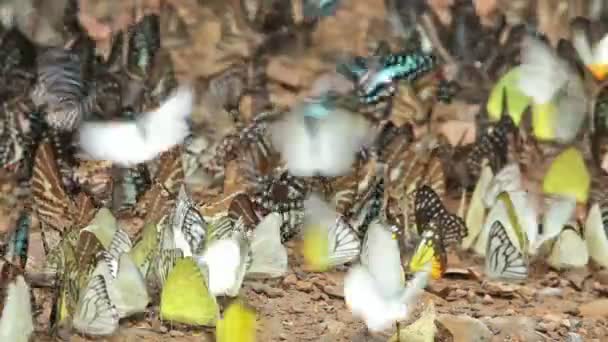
<point x="237" y="325"/>
<point x="568" y="176"/>
<point x="185" y="297"/>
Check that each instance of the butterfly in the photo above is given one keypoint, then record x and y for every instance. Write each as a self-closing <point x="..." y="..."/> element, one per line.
<point x="557" y="90"/>
<point x="569" y="250"/>
<point x="238" y="324"/>
<point x="326" y="146"/>
<point x="568" y="175"/>
<point x="62" y="88"/>
<point x="144" y="43"/>
<point x="476" y="211"/>
<point x="124" y="282"/>
<point x="596" y="233"/>
<point x="504" y="260"/>
<point x="95" y="314"/>
<point x="143" y="249"/>
<point x="492" y="145"/>
<point x="283" y="194"/>
<point x="429" y="207"/>
<point x="144" y="138"/>
<point x="17" y="250"/>
<point x="169" y="176"/>
<point x="329" y="239"/>
<point x="52" y="204"/>
<point x="189" y="227"/>
<point x="394" y="67"/>
<point x="16" y="323"/>
<point x="185" y="297"/>
<point x="374" y="289"/>
<point x="431" y="250"/>
<point x="268" y="255"/>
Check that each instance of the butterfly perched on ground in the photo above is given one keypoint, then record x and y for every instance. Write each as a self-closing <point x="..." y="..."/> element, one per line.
<point x="168" y="178"/>
<point x="329" y="240"/>
<point x="16" y="323"/>
<point x="596" y="232"/>
<point x="569" y="250"/>
<point x="431" y="250"/>
<point x="189" y="227"/>
<point x="52" y="204"/>
<point x="429" y="207"/>
<point x="504" y="259"/>
<point x="185" y="296"/>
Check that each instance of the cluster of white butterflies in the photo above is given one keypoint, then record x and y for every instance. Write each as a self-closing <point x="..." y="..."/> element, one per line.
<point x="374" y="289"/>
<point x="503" y="223"/>
<point x="119" y="285"/>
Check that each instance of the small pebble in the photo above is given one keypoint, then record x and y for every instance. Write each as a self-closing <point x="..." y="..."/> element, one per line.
<point x="176" y="333"/>
<point x="487" y="299"/>
<point x="290" y="280"/>
<point x="304" y="286"/>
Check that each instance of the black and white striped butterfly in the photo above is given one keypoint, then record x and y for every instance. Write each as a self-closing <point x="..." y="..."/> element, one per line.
<point x="503" y="259"/>
<point x="62" y="88"/>
<point x="188" y="224"/>
<point x="95" y="313"/>
<point x="429" y="207"/>
<point x="344" y="244"/>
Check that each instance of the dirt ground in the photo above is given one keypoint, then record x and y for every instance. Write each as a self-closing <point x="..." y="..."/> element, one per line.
<point x="307" y="306"/>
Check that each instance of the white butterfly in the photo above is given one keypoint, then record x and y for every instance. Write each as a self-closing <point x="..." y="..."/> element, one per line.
<point x="546" y="77"/>
<point x="476" y="212"/>
<point x="327" y="145"/>
<point x="516" y="211"/>
<point x="344" y="244"/>
<point x="131" y="142"/>
<point x="504" y="259"/>
<point x="268" y="255"/>
<point x="187" y="224"/>
<point x="224" y="261"/>
<point x="569" y="250"/>
<point x="95" y="314"/>
<point x="16" y="321"/>
<point x="125" y="284"/>
<point x="507" y="179"/>
<point x="558" y="212"/>
<point x="596" y="234"/>
<point x="374" y="289"/>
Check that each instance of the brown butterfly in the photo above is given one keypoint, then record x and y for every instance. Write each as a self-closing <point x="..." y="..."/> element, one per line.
<point x="155" y="202"/>
<point x="52" y="204"/>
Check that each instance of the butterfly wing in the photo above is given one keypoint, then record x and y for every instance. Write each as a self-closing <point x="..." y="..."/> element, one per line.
<point x="189" y="228"/>
<point x="430" y="250"/>
<point x="596" y="234"/>
<point x="503" y="259"/>
<point x="16" y="321"/>
<point x="95" y="314"/>
<point x="128" y="290"/>
<point x="343" y="242"/>
<point x="268" y="255"/>
<point x="569" y="250"/>
<point x="477" y="211"/>
<point x="52" y="204"/>
<point x="381" y="256"/>
<point x="185" y="297"/>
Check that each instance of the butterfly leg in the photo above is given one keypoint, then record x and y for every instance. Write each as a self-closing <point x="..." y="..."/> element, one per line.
<point x="398" y="326"/>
